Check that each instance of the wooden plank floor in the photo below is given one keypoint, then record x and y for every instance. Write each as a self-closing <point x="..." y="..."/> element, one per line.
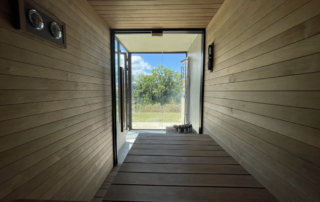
<point x="178" y="167"/>
<point x="98" y="197"/>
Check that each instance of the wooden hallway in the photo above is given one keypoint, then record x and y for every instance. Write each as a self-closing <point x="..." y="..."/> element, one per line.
<point x="182" y="167"/>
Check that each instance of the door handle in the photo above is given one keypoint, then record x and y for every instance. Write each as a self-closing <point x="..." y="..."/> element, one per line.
<point x="122" y="98"/>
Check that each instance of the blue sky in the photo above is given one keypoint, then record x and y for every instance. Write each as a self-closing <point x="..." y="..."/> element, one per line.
<point x="143" y="63"/>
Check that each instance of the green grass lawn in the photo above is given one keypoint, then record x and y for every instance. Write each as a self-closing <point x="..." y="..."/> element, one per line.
<point x="156" y="117"/>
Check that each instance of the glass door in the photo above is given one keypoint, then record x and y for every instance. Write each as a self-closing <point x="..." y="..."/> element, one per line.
<point x="125" y="123"/>
<point x="155" y="91"/>
<point x="155" y="82"/>
<point x="121" y="69"/>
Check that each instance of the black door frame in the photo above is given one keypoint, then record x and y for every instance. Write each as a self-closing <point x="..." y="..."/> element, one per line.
<point x="113" y="92"/>
<point x="132" y="53"/>
<point x="113" y="32"/>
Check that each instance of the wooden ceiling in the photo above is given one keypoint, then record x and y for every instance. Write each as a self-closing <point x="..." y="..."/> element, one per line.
<point x="156" y="13"/>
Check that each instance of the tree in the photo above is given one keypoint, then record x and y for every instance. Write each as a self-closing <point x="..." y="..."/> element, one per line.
<point x="162" y="86"/>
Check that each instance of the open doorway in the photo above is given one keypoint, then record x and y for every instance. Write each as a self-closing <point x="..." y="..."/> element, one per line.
<point x="158" y="81"/>
<point x="156" y="84"/>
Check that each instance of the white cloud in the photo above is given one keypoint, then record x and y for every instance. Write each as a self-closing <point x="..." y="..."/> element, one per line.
<point x="139" y="66"/>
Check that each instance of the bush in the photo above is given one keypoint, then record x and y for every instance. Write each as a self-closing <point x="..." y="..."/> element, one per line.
<point x="158" y="108"/>
<point x="172" y="108"/>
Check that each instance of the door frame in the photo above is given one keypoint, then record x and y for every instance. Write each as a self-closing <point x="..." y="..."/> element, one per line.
<point x="130" y="70"/>
<point x="113" y="92"/>
<point x="126" y="87"/>
<point x="113" y="32"/>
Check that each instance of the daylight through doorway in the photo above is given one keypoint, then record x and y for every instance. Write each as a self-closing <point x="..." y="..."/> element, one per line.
<point x="156" y="90"/>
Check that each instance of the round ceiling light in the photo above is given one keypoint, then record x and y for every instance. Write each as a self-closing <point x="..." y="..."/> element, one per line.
<point x="36" y="19"/>
<point x="55" y="30"/>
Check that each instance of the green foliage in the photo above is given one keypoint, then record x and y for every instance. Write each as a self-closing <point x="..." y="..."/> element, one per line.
<point x="162" y="86"/>
<point x="156" y="117"/>
<point x="158" y="108"/>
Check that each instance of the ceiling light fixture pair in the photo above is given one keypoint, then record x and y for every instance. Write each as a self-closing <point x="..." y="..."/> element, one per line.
<point x="37" y="22"/>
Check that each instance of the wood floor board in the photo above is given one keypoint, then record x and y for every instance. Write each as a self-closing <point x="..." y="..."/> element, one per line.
<point x="177" y="147"/>
<point x="172" y="133"/>
<point x="185" y="168"/>
<point x="193" y="180"/>
<point x="163" y="193"/>
<point x="105" y="185"/>
<point x="149" y="173"/>
<point x="154" y="152"/>
<point x="175" y="138"/>
<point x="179" y="160"/>
<point x="172" y="142"/>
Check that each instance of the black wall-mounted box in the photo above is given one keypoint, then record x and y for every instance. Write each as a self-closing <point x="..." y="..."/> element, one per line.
<point x="22" y="22"/>
<point x="210" y="56"/>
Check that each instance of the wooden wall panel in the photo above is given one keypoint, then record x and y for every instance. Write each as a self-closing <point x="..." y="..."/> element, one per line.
<point x="55" y="106"/>
<point x="262" y="99"/>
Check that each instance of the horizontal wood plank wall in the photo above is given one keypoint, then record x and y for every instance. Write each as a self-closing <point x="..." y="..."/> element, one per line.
<point x="262" y="100"/>
<point x="55" y="106"/>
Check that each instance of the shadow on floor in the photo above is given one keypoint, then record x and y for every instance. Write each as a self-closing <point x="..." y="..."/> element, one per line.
<point x="130" y="138"/>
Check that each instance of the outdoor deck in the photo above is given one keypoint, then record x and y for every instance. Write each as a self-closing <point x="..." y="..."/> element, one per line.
<point x="182" y="167"/>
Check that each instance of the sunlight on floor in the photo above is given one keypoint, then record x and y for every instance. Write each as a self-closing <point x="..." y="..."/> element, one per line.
<point x="130" y="138"/>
